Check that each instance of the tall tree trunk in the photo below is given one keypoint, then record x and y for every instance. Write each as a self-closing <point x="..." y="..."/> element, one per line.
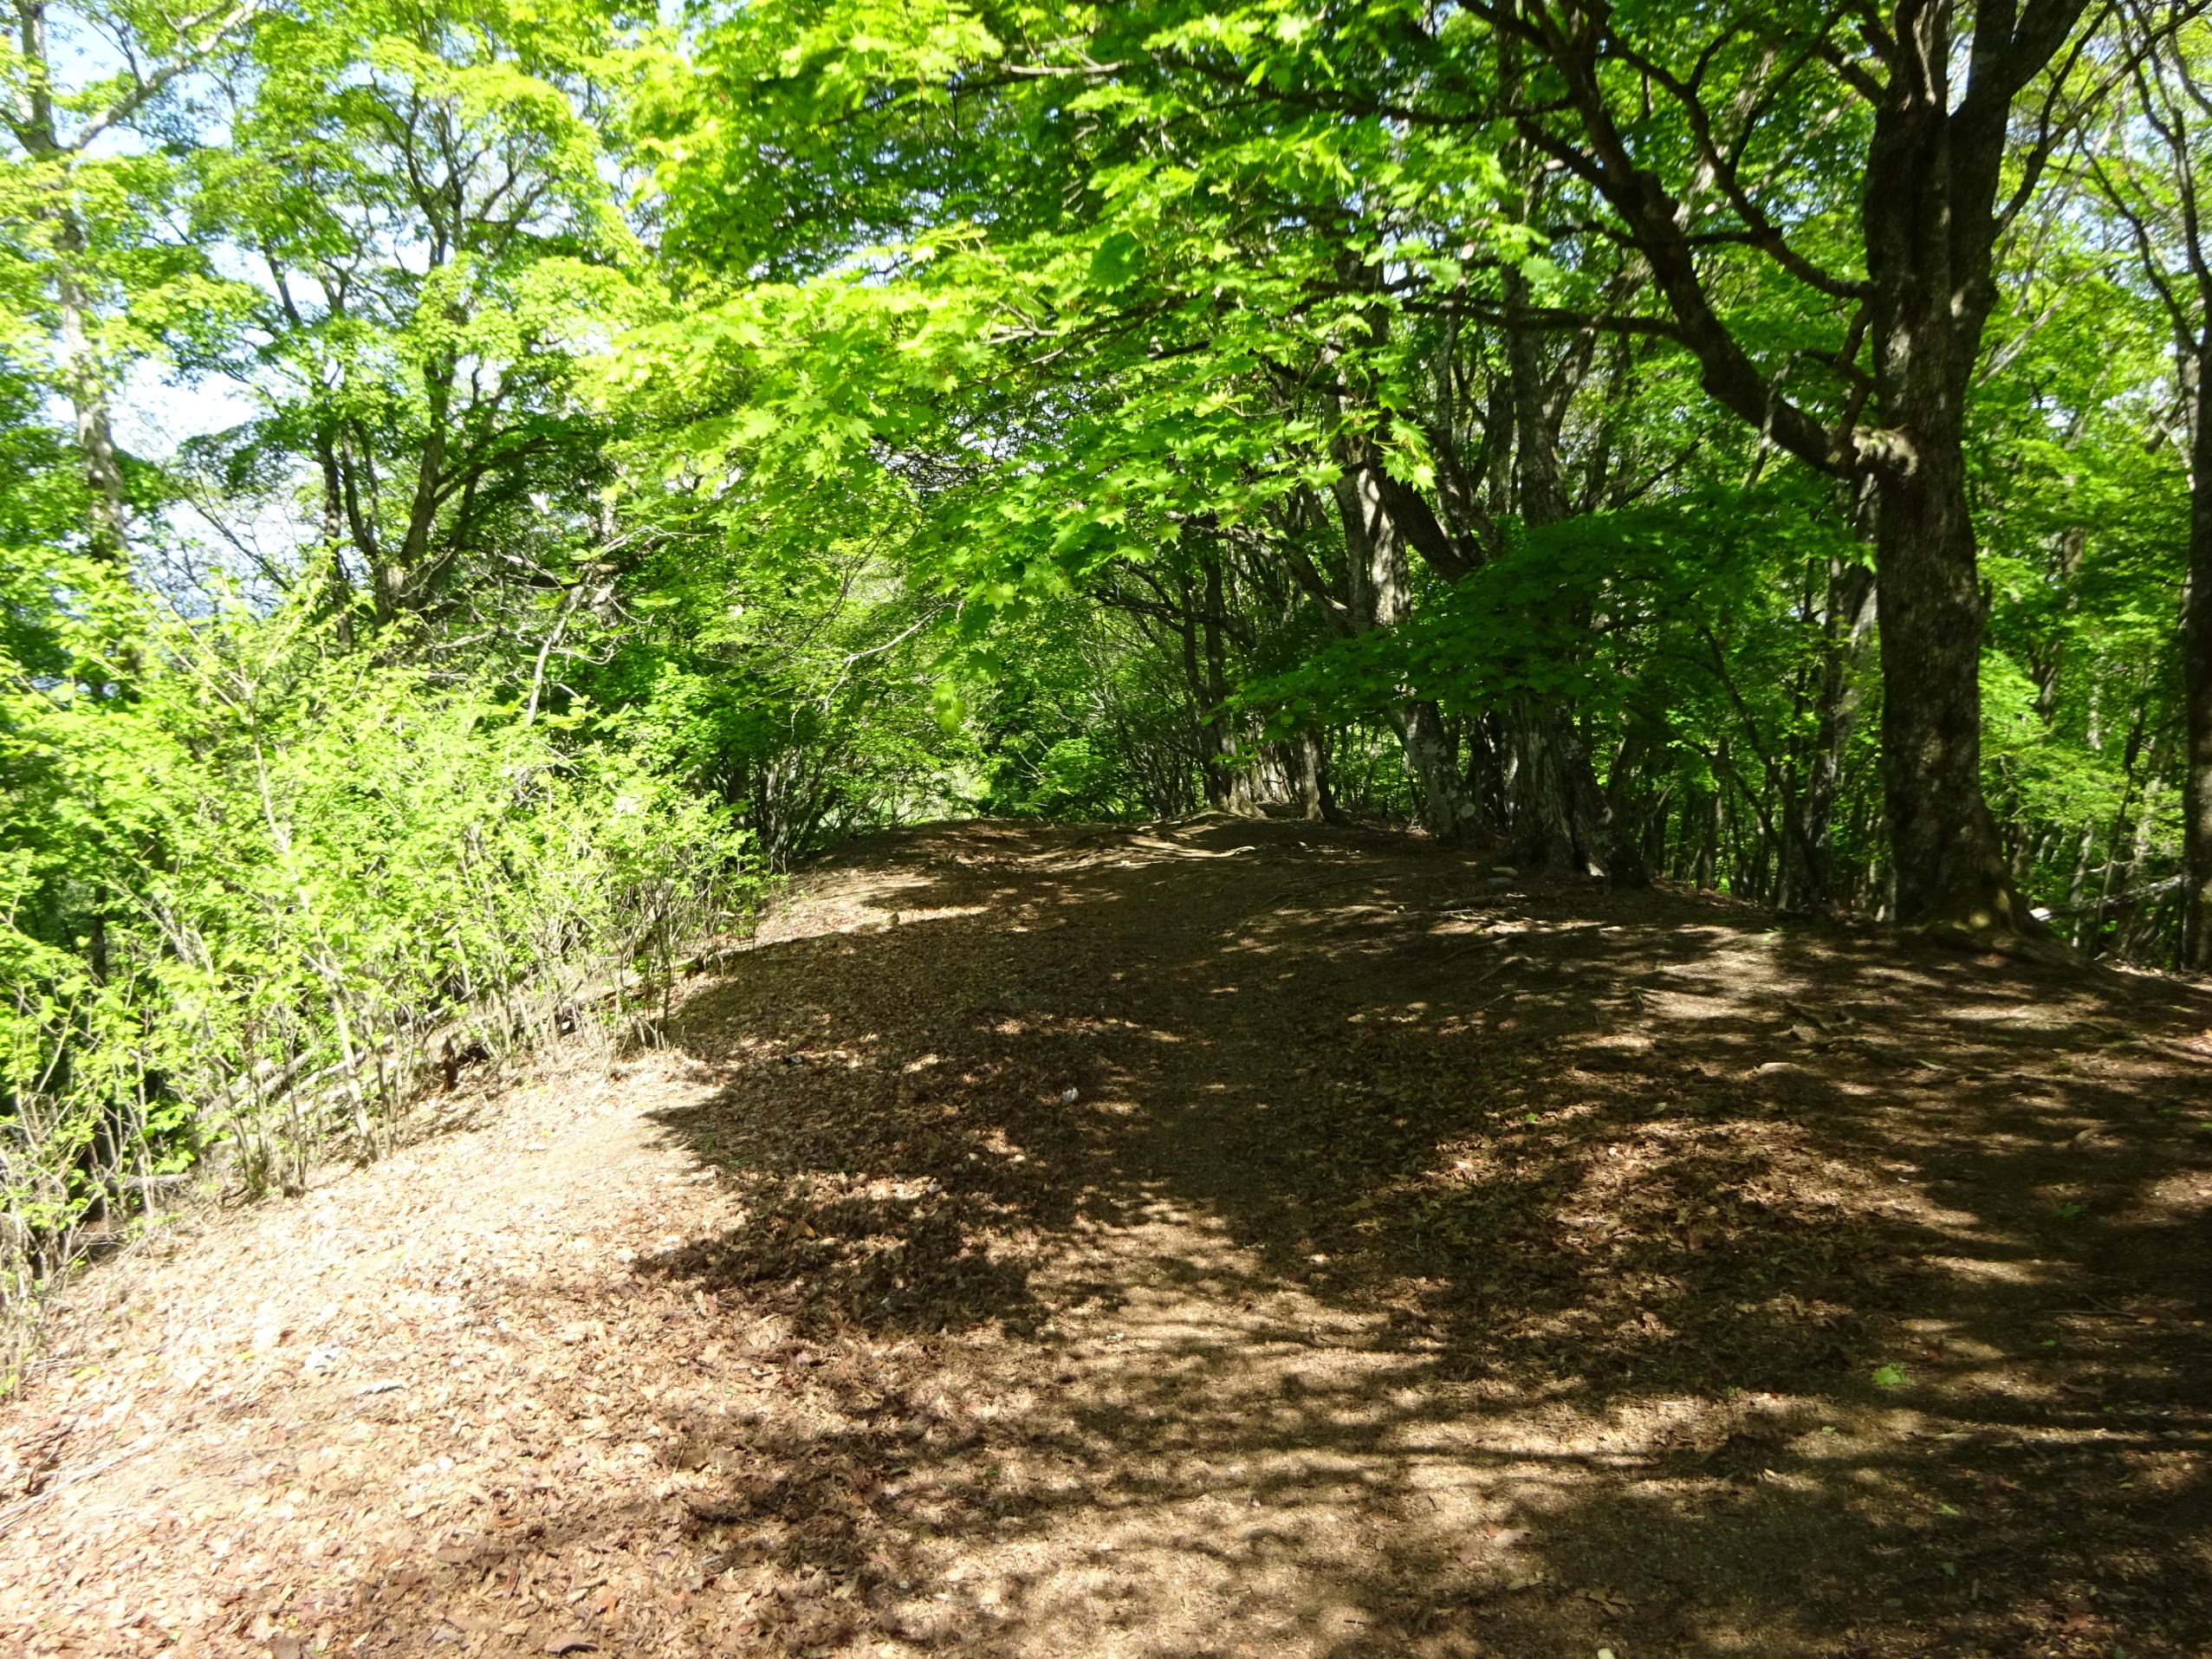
<point x="404" y="584"/>
<point x="1939" y="160"/>
<point x="1705" y="874"/>
<point x="1562" y="819"/>
<point x="1950" y="863"/>
<point x="82" y="375"/>
<point x="2196" y="669"/>
<point x="334" y="539"/>
<point x="1929" y="217"/>
<point x="84" y="381"/>
<point x="1487" y="768"/>
<point x="1229" y="785"/>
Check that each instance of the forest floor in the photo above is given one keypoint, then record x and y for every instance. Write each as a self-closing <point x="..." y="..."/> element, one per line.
<point x="1220" y="1239"/>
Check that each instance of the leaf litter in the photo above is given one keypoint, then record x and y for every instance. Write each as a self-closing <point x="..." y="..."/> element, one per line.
<point x="1138" y="1250"/>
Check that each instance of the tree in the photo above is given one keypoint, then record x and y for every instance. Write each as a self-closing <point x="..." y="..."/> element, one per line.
<point x="1873" y="159"/>
<point x="2148" y="164"/>
<point x="419" y="187"/>
<point x="85" y="216"/>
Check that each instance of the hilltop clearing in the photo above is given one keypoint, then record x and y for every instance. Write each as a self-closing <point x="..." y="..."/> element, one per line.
<point x="1229" y="1238"/>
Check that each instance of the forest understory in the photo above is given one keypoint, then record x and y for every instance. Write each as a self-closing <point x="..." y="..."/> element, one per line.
<point x="1220" y="1237"/>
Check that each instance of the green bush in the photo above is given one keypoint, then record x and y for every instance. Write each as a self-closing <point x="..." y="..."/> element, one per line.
<point x="252" y="899"/>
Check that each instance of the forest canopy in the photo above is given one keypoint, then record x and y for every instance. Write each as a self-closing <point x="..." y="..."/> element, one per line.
<point x="484" y="484"/>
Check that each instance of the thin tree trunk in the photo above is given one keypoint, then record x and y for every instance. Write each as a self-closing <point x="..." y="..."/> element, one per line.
<point x="83" y="376"/>
<point x="1230" y="785"/>
<point x="1563" y="819"/>
<point x="1213" y="767"/>
<point x="1379" y="598"/>
<point x="334" y="539"/>
<point x="1487" y="770"/>
<point x="1807" y="872"/>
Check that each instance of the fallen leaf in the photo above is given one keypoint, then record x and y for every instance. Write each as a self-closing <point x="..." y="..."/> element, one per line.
<point x="712" y="1509"/>
<point x="1826" y="1019"/>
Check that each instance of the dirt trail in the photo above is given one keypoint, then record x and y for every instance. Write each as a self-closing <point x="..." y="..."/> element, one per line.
<point x="1229" y="1239"/>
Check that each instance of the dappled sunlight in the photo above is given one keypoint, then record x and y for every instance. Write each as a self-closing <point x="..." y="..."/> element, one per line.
<point x="1349" y="1253"/>
<point x="1040" y="1242"/>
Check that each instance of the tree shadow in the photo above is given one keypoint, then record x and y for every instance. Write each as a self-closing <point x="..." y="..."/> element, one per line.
<point x="1421" y="1268"/>
<point x="836" y="1258"/>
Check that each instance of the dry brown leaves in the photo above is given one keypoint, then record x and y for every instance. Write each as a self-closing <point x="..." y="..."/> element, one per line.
<point x="1217" y="1239"/>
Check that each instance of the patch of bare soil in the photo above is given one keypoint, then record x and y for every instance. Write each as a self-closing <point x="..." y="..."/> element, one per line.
<point x="1229" y="1239"/>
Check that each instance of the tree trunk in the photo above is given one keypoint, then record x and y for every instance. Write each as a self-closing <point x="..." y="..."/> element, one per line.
<point x="1808" y="881"/>
<point x="1229" y="785"/>
<point x="404" y="585"/>
<point x="1950" y="865"/>
<point x="1445" y="808"/>
<point x="1307" y="754"/>
<point x="1562" y="819"/>
<point x="83" y="379"/>
<point x="1936" y="167"/>
<point x="1928" y="214"/>
<point x="83" y="376"/>
<point x="334" y="539"/>
<point x="1705" y="874"/>
<point x="1486" y="769"/>
<point x="1379" y="599"/>
<point x="1559" y="816"/>
<point x="2196" y="669"/>
<point x="1213" y="775"/>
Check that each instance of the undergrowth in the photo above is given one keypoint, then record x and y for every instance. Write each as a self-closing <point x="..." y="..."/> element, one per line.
<point x="255" y="900"/>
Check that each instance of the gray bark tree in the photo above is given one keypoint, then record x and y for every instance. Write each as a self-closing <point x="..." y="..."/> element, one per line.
<point x="1943" y="172"/>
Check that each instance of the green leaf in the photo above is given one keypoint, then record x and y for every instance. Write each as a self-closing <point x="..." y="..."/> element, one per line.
<point x="1116" y="264"/>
